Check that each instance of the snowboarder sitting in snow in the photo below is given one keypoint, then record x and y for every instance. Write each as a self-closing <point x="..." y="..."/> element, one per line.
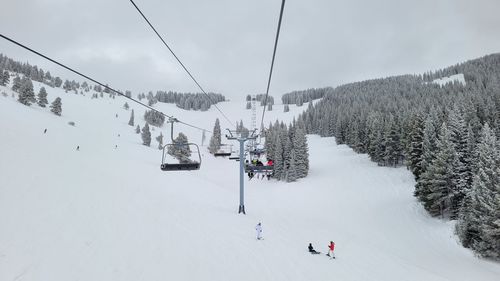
<point x="311" y="250"/>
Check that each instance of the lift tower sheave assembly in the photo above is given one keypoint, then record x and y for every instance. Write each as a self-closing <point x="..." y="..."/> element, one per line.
<point x="233" y="135"/>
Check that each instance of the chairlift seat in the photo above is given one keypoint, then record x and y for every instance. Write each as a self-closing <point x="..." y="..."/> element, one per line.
<point x="222" y="154"/>
<point x="180" y="167"/>
<point x="259" y="169"/>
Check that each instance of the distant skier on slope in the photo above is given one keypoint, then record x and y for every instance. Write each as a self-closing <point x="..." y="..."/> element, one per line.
<point x="258" y="228"/>
<point x="331" y="247"/>
<point x="311" y="249"/>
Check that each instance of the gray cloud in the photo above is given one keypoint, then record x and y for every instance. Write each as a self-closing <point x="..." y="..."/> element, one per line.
<point x="227" y="44"/>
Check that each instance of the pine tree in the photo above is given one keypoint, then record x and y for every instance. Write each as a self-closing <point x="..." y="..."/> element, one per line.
<point x="58" y="82"/>
<point x="249" y="105"/>
<point x="215" y="140"/>
<point x="301" y="160"/>
<point x="393" y="151"/>
<point x="287" y="152"/>
<point x="42" y="97"/>
<point x="438" y="180"/>
<point x="286" y="108"/>
<point x="56" y="106"/>
<point x="459" y="138"/>
<point x="416" y="146"/>
<point x="137" y="129"/>
<point x="16" y="84"/>
<point x="126" y="106"/>
<point x="4" y="78"/>
<point x="429" y="148"/>
<point x="26" y="92"/>
<point x="279" y="170"/>
<point x="160" y="141"/>
<point x="479" y="224"/>
<point x="291" y="171"/>
<point x="203" y="138"/>
<point x="146" y="135"/>
<point x="131" y="121"/>
<point x="67" y="86"/>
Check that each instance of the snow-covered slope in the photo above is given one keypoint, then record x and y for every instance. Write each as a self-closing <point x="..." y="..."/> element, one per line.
<point x="457" y="77"/>
<point x="110" y="214"/>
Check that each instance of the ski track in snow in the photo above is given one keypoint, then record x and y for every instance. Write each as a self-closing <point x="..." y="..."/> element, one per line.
<point x="110" y="214"/>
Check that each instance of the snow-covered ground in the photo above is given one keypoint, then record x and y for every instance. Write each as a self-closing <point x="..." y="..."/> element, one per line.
<point x="444" y="80"/>
<point x="111" y="214"/>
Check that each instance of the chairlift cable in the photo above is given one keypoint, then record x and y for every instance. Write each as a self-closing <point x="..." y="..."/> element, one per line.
<point x="95" y="81"/>
<point x="272" y="63"/>
<point x="184" y="67"/>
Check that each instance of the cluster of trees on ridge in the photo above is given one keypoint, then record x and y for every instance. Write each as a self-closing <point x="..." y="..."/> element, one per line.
<point x="448" y="136"/>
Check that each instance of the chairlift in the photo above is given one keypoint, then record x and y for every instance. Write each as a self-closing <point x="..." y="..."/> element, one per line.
<point x="184" y="163"/>
<point x="224" y="150"/>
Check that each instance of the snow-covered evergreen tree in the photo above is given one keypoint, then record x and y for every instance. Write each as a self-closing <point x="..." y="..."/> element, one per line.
<point x="286" y="108"/>
<point x="215" y="140"/>
<point x="438" y="181"/>
<point x="154" y="118"/>
<point x="67" y="86"/>
<point x="42" y="97"/>
<point x="16" y="84"/>
<point x="26" y="93"/>
<point x="203" y="138"/>
<point x="57" y="82"/>
<point x="479" y="224"/>
<point x="416" y="146"/>
<point x="4" y="78"/>
<point x="159" y="139"/>
<point x="126" y="106"/>
<point x="279" y="171"/>
<point x="301" y="150"/>
<point x="429" y="148"/>
<point x="146" y="135"/>
<point x="131" y="121"/>
<point x="291" y="171"/>
<point x="137" y="129"/>
<point x="56" y="106"/>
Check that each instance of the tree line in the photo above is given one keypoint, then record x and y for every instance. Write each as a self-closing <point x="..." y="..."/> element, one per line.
<point x="287" y="147"/>
<point x="188" y="101"/>
<point x="448" y="136"/>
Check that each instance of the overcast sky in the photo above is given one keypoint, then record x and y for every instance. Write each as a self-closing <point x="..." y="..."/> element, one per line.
<point x="227" y="44"/>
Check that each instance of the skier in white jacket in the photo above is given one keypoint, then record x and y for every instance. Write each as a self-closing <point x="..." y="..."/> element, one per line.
<point x="258" y="228"/>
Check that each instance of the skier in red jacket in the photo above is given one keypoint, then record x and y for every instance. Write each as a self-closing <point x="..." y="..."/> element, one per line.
<point x="331" y="247"/>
